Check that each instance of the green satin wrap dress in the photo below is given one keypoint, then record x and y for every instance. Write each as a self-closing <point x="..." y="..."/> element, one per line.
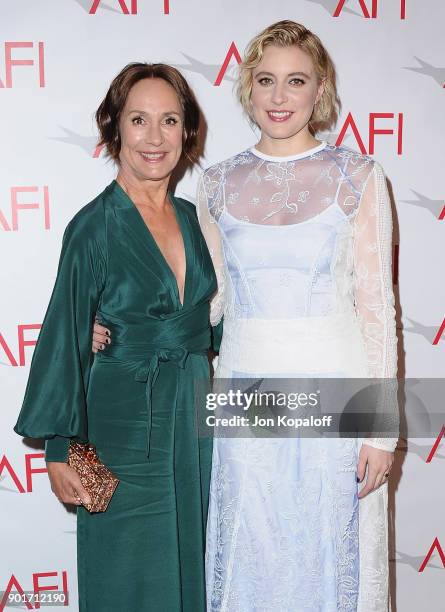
<point x="134" y="401"/>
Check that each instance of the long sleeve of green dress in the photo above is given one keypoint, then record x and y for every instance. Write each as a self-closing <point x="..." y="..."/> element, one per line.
<point x="57" y="410"/>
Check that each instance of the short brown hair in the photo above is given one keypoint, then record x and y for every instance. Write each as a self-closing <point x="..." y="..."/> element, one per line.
<point x="287" y="34"/>
<point x="109" y="112"/>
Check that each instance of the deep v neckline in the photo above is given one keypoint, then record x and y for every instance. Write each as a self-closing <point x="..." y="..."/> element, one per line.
<point x="160" y="255"/>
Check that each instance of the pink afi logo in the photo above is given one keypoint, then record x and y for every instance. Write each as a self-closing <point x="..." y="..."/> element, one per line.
<point x="367" y="9"/>
<point x="127" y="7"/>
<point x="22" y="343"/>
<point x="9" y="474"/>
<point x="375" y="128"/>
<point x="10" y="221"/>
<point x="14" y="58"/>
<point x="214" y="73"/>
<point x="435" y="546"/>
<point x="40" y="586"/>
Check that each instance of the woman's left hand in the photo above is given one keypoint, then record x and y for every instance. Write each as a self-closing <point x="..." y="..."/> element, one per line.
<point x="379" y="463"/>
<point x="101" y="337"/>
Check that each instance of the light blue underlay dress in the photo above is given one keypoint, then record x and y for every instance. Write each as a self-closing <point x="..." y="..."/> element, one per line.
<point x="302" y="250"/>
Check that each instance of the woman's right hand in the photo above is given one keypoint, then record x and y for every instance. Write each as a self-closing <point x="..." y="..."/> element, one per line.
<point x="66" y="485"/>
<point x="101" y="337"/>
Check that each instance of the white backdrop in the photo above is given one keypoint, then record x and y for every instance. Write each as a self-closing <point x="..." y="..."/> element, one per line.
<point x="57" y="58"/>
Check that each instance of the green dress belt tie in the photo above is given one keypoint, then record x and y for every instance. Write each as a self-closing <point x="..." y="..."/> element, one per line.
<point x="171" y="338"/>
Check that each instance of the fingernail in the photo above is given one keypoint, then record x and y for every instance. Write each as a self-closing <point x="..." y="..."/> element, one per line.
<point x="108" y="332"/>
<point x="108" y="341"/>
<point x="102" y="346"/>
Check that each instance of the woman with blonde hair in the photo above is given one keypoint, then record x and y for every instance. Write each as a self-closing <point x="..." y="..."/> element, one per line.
<point x="300" y="236"/>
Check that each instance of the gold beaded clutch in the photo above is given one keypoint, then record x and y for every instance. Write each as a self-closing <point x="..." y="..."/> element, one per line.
<point x="95" y="477"/>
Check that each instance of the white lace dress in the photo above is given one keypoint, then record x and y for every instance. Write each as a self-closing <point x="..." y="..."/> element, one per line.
<point x="302" y="250"/>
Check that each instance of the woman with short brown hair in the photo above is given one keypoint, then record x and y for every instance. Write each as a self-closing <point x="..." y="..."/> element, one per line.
<point x="136" y="257"/>
<point x="110" y="110"/>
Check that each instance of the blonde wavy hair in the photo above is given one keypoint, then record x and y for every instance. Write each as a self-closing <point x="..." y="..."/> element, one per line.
<point x="287" y="34"/>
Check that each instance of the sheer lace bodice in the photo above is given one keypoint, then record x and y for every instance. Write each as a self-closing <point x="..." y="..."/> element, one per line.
<point x="303" y="236"/>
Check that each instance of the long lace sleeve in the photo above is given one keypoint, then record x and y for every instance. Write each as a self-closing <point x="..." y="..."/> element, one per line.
<point x="374" y="298"/>
<point x="212" y="236"/>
